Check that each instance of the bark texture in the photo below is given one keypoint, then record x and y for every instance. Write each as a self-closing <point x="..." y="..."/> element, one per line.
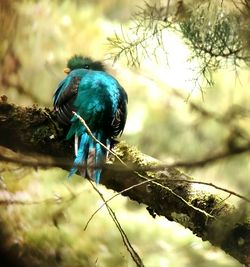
<point x="165" y="192"/>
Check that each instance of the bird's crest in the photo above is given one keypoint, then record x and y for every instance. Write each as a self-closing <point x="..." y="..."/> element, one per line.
<point x="81" y="62"/>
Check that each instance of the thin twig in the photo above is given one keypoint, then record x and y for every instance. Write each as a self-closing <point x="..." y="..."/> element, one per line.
<point x="212" y="185"/>
<point x="115" y="195"/>
<point x="96" y="140"/>
<point x="176" y="195"/>
<point x="140" y="175"/>
<point x="12" y="200"/>
<point x="136" y="258"/>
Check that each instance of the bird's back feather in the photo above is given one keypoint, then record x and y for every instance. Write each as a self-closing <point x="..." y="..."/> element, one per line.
<point x="100" y="100"/>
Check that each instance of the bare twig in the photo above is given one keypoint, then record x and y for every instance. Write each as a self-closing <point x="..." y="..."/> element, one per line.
<point x="136" y="258"/>
<point x="115" y="195"/>
<point x="213" y="185"/>
<point x="149" y="180"/>
<point x="96" y="140"/>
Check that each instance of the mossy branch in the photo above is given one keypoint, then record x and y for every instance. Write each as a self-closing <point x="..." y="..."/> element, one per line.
<point x="35" y="130"/>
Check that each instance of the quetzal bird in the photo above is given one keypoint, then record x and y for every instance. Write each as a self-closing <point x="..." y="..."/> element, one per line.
<point x="101" y="101"/>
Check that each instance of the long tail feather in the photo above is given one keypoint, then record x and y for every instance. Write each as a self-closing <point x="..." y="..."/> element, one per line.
<point x="90" y="156"/>
<point x="76" y="144"/>
<point x="100" y="156"/>
<point x="96" y="158"/>
<point x="91" y="160"/>
<point x="108" y="145"/>
<point x="81" y="154"/>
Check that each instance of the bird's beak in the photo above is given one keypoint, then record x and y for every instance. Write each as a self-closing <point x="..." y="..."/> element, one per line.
<point x="66" y="70"/>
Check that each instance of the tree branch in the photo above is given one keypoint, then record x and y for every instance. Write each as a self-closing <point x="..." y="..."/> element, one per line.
<point x="34" y="130"/>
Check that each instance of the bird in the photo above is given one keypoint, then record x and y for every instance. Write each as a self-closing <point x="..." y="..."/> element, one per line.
<point x="99" y="99"/>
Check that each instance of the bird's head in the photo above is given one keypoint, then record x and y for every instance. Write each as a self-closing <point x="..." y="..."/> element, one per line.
<point x="81" y="62"/>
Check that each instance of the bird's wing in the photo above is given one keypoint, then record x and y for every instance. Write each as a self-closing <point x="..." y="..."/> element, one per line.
<point x="120" y="117"/>
<point x="64" y="97"/>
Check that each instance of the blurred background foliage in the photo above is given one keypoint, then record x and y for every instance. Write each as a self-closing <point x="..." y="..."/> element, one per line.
<point x="42" y="213"/>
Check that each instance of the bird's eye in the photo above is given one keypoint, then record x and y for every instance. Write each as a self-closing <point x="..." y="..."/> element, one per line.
<point x="86" y="67"/>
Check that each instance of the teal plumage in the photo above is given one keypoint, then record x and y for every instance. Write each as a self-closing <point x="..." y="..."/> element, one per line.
<point x="101" y="101"/>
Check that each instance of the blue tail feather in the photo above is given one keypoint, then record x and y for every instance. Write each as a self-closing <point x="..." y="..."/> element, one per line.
<point x="81" y="154"/>
<point x="92" y="154"/>
<point x="90" y="160"/>
<point x="100" y="156"/>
